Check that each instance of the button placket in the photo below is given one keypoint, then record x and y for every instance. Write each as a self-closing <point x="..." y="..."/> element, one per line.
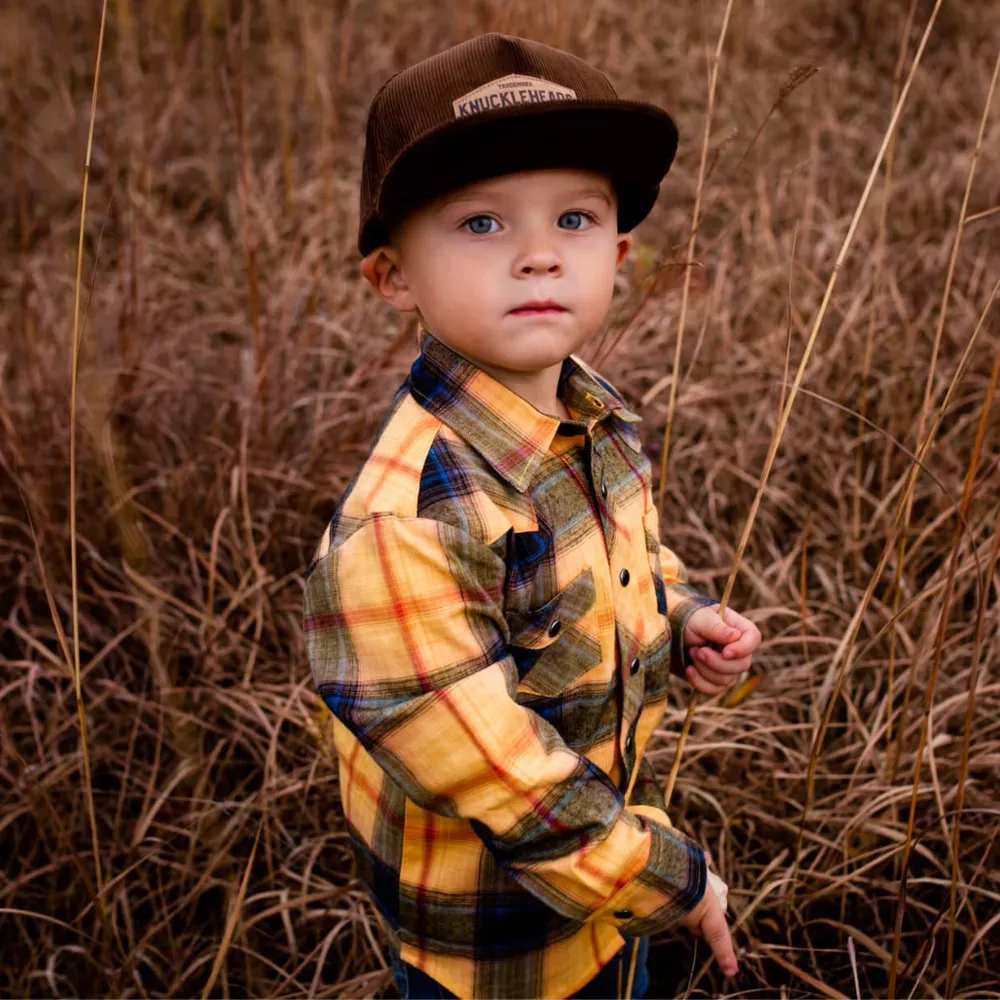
<point x="602" y="492"/>
<point x="597" y="477"/>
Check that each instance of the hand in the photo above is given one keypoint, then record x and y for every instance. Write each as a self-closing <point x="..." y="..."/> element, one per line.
<point x="714" y="670"/>
<point x="716" y="883"/>
<point x="708" y="920"/>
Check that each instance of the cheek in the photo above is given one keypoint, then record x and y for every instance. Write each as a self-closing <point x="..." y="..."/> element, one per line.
<point x="457" y="284"/>
<point x="598" y="272"/>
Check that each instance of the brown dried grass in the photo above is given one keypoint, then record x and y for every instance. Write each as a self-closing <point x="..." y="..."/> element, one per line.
<point x="233" y="368"/>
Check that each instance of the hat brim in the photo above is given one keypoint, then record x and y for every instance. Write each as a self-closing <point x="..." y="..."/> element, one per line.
<point x="630" y="142"/>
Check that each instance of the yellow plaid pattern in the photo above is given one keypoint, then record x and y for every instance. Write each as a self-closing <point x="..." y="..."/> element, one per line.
<point x="490" y="617"/>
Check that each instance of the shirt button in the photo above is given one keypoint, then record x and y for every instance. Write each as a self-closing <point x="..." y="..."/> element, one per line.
<point x="624" y="577"/>
<point x="634" y="666"/>
<point x="554" y="628"/>
<point x="630" y="743"/>
<point x="604" y="488"/>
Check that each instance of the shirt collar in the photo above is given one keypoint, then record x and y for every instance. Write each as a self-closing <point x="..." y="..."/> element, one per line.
<point x="503" y="427"/>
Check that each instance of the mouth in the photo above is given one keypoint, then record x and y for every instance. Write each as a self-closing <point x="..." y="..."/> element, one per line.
<point x="539" y="308"/>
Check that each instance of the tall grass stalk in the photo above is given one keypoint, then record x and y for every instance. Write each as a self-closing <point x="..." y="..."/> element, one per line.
<point x="928" y="395"/>
<point x="843" y="656"/>
<point x="689" y="259"/>
<point x="807" y="353"/>
<point x="658" y="280"/>
<point x="232" y="919"/>
<point x="678" y="345"/>
<point x="879" y="254"/>
<point x="942" y="628"/>
<point x="820" y="315"/>
<point x="866" y="372"/>
<point x="672" y="405"/>
<point x="77" y="680"/>
<point x="970" y="710"/>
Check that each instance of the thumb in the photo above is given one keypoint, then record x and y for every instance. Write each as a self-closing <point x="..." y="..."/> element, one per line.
<point x="718" y="631"/>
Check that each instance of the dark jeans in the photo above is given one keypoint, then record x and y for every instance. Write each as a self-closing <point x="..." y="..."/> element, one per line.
<point x="416" y="985"/>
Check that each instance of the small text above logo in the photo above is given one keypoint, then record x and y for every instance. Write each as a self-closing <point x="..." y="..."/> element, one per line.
<point x="510" y="91"/>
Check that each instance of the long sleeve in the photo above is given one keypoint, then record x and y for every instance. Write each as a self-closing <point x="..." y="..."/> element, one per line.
<point x="408" y="644"/>
<point x="675" y="597"/>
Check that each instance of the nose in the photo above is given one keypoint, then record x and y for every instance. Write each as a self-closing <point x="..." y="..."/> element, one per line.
<point x="537" y="256"/>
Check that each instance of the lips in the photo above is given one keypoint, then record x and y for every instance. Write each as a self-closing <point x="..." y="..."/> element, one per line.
<point x="546" y="307"/>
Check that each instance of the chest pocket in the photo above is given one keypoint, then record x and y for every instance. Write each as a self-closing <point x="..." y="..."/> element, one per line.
<point x="548" y="645"/>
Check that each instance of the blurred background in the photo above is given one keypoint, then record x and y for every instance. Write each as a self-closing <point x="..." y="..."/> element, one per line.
<point x="178" y="831"/>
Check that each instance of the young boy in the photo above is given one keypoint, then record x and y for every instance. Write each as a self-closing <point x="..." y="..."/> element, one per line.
<point x="491" y="617"/>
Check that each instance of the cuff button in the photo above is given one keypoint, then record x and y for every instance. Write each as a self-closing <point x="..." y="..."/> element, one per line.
<point x="623" y="914"/>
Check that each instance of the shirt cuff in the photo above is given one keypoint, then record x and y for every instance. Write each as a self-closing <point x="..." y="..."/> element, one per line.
<point x="683" y="601"/>
<point x="667" y="889"/>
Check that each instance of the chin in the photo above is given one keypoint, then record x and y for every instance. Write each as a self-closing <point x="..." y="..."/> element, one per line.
<point x="523" y="347"/>
<point x="543" y="344"/>
<point x="535" y="360"/>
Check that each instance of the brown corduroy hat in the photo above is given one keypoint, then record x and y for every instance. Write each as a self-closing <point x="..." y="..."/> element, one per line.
<point x="495" y="105"/>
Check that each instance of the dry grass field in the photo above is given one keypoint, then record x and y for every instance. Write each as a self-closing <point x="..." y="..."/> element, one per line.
<point x="169" y="810"/>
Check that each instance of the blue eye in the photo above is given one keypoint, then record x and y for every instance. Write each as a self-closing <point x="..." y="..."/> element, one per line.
<point x="479" y="225"/>
<point x="574" y="220"/>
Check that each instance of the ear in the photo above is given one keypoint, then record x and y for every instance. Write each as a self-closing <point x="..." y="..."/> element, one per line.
<point x="624" y="246"/>
<point x="383" y="270"/>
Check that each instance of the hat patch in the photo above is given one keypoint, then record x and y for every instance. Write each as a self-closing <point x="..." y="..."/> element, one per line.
<point x="510" y="92"/>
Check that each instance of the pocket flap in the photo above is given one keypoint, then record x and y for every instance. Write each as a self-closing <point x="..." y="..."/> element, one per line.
<point x="540" y="627"/>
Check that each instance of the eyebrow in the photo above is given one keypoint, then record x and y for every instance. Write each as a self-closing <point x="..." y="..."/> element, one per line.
<point x="456" y="196"/>
<point x="599" y="193"/>
<point x="590" y="192"/>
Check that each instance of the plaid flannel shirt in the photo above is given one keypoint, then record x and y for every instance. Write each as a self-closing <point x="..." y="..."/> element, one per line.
<point x="492" y="621"/>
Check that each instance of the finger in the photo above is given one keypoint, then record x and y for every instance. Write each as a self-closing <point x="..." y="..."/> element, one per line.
<point x="706" y="673"/>
<point x="707" y="625"/>
<point x="708" y="857"/>
<point x="712" y="659"/>
<point x="701" y="684"/>
<point x="716" y="932"/>
<point x="737" y="620"/>
<point x="709" y="659"/>
<point x="718" y="631"/>
<point x="746" y="628"/>
<point x="745" y="645"/>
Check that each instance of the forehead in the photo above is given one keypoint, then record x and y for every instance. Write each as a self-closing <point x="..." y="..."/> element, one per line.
<point x="533" y="184"/>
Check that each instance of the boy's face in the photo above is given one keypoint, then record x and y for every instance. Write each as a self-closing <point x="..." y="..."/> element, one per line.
<point x="515" y="272"/>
